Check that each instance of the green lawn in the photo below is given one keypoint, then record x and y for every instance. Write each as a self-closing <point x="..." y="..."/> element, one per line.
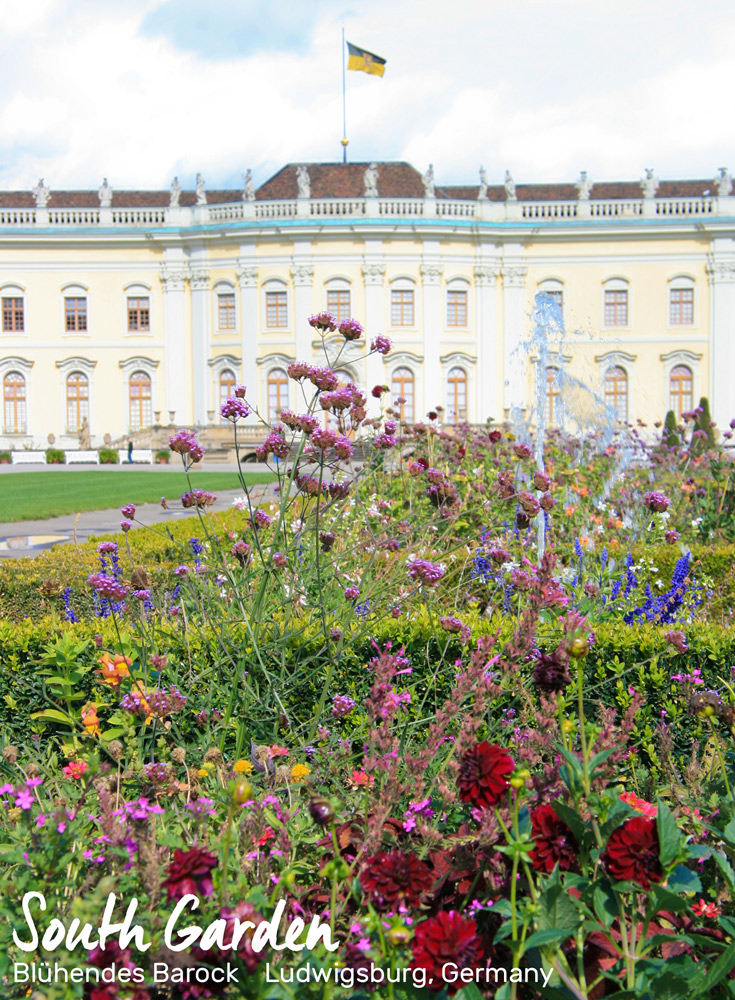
<point x="26" y="496"/>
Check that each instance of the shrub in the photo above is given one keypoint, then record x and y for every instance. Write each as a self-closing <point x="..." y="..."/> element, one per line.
<point x="5" y="457"/>
<point x="671" y="431"/>
<point x="163" y="455"/>
<point x="55" y="456"/>
<point x="108" y="456"/>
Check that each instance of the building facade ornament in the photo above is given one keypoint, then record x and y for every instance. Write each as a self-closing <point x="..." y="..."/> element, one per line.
<point x="373" y="273"/>
<point x="583" y="185"/>
<point x="428" y="182"/>
<point x="485" y="275"/>
<point x="482" y="193"/>
<point x="175" y="193"/>
<point x="720" y="270"/>
<point x="302" y="274"/>
<point x="649" y="184"/>
<point x="303" y="181"/>
<point x="199" y="281"/>
<point x="514" y="276"/>
<point x="510" y="187"/>
<point x="174" y="280"/>
<point x="201" y="194"/>
<point x="370" y="178"/>
<point x="41" y="193"/>
<point x="431" y="274"/>
<point x="105" y="194"/>
<point x="248" y="193"/>
<point x="724" y="183"/>
<point x="247" y="275"/>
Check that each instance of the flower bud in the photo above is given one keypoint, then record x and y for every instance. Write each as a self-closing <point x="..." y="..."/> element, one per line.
<point x="242" y="793"/>
<point x="398" y="936"/>
<point x="321" y="811"/>
<point x="578" y="646"/>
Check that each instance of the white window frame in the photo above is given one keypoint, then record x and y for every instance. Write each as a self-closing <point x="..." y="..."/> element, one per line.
<point x="276" y="285"/>
<point x="682" y="282"/>
<point x="12" y="290"/>
<point x="468" y="362"/>
<point x="405" y="359"/>
<point x="86" y="367"/>
<point x="136" y="289"/>
<point x="692" y="361"/>
<point x="224" y="287"/>
<point x="403" y="283"/>
<point x="23" y="366"/>
<point x="129" y="366"/>
<point x="221" y="363"/>
<point x="458" y="284"/>
<point x="616" y="283"/>
<point x="268" y="364"/>
<point x="338" y="283"/>
<point x="75" y="290"/>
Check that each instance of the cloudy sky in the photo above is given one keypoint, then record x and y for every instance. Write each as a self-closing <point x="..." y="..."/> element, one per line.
<point x="140" y="90"/>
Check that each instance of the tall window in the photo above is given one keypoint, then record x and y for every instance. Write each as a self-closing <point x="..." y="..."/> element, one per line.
<point x="14" y="403"/>
<point x="226" y="311"/>
<point x="553" y="394"/>
<point x="277" y="392"/>
<point x="139" y="314"/>
<point x="227" y="383"/>
<point x="12" y="314"/>
<point x="401" y="307"/>
<point x="456" y="307"/>
<point x="616" y="391"/>
<point x="276" y="313"/>
<point x="681" y="306"/>
<point x="681" y="390"/>
<point x="141" y="406"/>
<point x="338" y="303"/>
<point x="457" y="396"/>
<point x="402" y="387"/>
<point x="77" y="401"/>
<point x="75" y="309"/>
<point x="616" y="307"/>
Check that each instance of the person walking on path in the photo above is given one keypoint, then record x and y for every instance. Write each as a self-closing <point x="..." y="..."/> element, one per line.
<point x="130" y="452"/>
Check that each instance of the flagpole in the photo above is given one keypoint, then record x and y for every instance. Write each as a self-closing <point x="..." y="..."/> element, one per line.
<point x="344" y="102"/>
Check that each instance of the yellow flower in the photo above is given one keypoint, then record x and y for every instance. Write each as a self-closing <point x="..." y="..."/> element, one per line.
<point x="299" y="771"/>
<point x="242" y="767"/>
<point x="203" y="773"/>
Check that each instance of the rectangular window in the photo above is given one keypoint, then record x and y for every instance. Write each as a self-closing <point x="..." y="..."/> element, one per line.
<point x="12" y="315"/>
<point x="456" y="308"/>
<point x="681" y="307"/>
<point x="76" y="314"/>
<point x="338" y="304"/>
<point x="401" y="307"/>
<point x="139" y="314"/>
<point x="616" y="308"/>
<point x="275" y="309"/>
<point x="226" y="311"/>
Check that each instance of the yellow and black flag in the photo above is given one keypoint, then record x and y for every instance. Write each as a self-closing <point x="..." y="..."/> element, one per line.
<point x="366" y="61"/>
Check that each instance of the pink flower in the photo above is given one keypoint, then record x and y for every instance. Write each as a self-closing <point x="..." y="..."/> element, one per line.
<point x="76" y="769"/>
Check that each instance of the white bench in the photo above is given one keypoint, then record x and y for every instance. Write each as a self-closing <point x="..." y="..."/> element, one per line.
<point x="91" y="457"/>
<point x="28" y="457"/>
<point x="144" y="455"/>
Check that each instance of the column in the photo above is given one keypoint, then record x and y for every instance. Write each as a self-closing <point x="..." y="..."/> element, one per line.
<point x="200" y="334"/>
<point x="373" y="274"/>
<point x="173" y="279"/>
<point x="302" y="273"/>
<point x="721" y="390"/>
<point x="489" y="360"/>
<point x="431" y="274"/>
<point x="247" y="276"/>
<point x="514" y="329"/>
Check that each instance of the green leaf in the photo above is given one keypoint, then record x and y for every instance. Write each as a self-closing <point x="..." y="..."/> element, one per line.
<point x="668" y="901"/>
<point x="469" y="992"/>
<point x="717" y="971"/>
<point x="669" y="835"/>
<point x="683" y="880"/>
<point x="556" y="909"/>
<point x="726" y="868"/>
<point x="53" y="715"/>
<point x="571" y="818"/>
<point x="552" y="935"/>
<point x="601" y="757"/>
<point x="605" y="903"/>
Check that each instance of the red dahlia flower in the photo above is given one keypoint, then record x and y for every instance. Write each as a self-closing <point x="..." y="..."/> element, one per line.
<point x="555" y="842"/>
<point x="392" y="878"/>
<point x="190" y="872"/>
<point x="483" y="775"/>
<point x="632" y="853"/>
<point x="444" y="939"/>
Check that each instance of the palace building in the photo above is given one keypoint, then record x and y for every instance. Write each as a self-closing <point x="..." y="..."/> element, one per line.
<point x="123" y="311"/>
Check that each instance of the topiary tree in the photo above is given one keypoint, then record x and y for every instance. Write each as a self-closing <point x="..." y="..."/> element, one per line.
<point x="671" y="431"/>
<point x="704" y="421"/>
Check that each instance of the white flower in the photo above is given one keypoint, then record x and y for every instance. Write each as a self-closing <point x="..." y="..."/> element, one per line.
<point x="297" y="525"/>
<point x="240" y="503"/>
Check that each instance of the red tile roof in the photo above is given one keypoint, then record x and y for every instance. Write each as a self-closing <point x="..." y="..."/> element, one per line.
<point x="346" y="180"/>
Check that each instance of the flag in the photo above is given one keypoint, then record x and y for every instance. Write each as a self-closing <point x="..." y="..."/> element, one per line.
<point x="366" y="61"/>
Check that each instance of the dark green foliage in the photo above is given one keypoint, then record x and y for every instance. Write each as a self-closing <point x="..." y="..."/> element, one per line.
<point x="671" y="431"/>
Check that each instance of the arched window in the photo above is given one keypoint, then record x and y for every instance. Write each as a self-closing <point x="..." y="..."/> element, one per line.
<point x="227" y="383"/>
<point x="141" y="406"/>
<point x="681" y="390"/>
<point x="14" y="403"/>
<point x="456" y="396"/>
<point x="77" y="401"/>
<point x="616" y="391"/>
<point x="553" y="394"/>
<point x="402" y="387"/>
<point x="277" y="392"/>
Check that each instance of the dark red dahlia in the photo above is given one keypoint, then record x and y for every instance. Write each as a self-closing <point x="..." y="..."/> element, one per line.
<point x="244" y="912"/>
<point x="483" y="775"/>
<point x="551" y="673"/>
<point x="394" y="877"/>
<point x="447" y="938"/>
<point x="111" y="956"/>
<point x="555" y="842"/>
<point x="632" y="853"/>
<point x="190" y="873"/>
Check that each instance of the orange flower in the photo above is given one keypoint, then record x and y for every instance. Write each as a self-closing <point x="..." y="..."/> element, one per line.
<point x="640" y="805"/>
<point x="90" y="720"/>
<point x="114" y="669"/>
<point x="277" y="751"/>
<point x="359" y="779"/>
